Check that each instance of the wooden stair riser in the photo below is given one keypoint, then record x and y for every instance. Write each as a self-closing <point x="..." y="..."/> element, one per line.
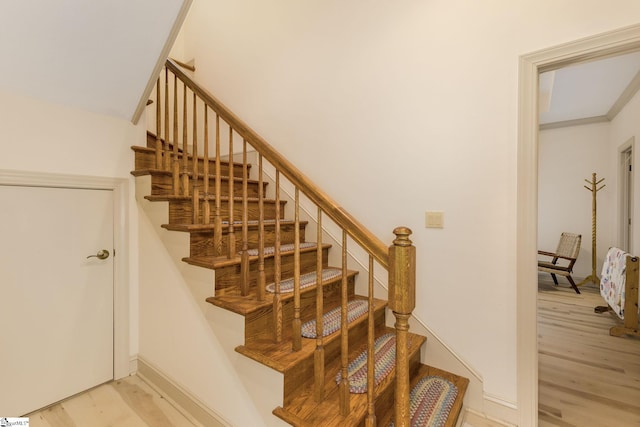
<point x="162" y="185"/>
<point x="230" y="276"/>
<point x="181" y="211"/>
<point x="260" y="325"/>
<point x="224" y="164"/>
<point x="298" y="378"/>
<point x="145" y="159"/>
<point x="201" y="242"/>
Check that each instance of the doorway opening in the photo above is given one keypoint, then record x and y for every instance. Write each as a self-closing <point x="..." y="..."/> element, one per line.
<point x="626" y="197"/>
<point x="617" y="42"/>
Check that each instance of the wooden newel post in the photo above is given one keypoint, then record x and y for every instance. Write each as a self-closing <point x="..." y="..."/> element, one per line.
<point x="402" y="301"/>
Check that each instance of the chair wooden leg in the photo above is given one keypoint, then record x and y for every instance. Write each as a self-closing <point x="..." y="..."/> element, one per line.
<point x="555" y="279"/>
<point x="573" y="284"/>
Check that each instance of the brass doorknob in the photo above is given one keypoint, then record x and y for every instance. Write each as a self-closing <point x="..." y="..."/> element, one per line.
<point x="102" y="254"/>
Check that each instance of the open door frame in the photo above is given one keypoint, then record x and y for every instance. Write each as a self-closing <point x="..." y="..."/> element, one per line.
<point x="625" y="195"/>
<point x="600" y="46"/>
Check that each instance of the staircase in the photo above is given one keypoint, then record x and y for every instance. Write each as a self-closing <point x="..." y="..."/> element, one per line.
<point x="308" y="315"/>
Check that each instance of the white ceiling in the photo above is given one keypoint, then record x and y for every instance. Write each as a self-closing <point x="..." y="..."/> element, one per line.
<point x="588" y="91"/>
<point x="95" y="55"/>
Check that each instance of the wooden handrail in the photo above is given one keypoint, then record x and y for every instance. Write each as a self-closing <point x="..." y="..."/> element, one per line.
<point x="340" y="216"/>
<point x="184" y="65"/>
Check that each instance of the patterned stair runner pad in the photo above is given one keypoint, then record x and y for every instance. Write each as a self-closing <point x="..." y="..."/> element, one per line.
<point x="385" y="361"/>
<point x="431" y="402"/>
<point x="283" y="248"/>
<point x="331" y="320"/>
<point x="306" y="280"/>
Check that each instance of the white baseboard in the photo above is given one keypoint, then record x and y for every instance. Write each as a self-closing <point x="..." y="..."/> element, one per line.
<point x="184" y="401"/>
<point x="472" y="418"/>
<point x="497" y="409"/>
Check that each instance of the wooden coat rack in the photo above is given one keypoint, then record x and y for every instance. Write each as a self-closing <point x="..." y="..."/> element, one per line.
<point x="593" y="277"/>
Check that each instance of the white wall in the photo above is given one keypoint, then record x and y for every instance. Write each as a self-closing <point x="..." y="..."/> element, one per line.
<point x="398" y="108"/>
<point x="624" y="127"/>
<point x="41" y="137"/>
<point x="567" y="156"/>
<point x="175" y="336"/>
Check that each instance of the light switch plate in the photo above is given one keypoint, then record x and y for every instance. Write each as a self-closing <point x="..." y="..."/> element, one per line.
<point x="434" y="219"/>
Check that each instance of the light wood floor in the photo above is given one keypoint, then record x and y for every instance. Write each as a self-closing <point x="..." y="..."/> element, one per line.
<point x="586" y="377"/>
<point x="128" y="402"/>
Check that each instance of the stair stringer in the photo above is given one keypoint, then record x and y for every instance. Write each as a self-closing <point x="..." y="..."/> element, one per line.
<point x="189" y="340"/>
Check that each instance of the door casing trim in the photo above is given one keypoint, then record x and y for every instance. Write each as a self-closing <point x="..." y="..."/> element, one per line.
<point x="120" y="188"/>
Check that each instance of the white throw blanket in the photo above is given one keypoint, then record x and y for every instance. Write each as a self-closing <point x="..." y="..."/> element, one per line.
<point x="613" y="279"/>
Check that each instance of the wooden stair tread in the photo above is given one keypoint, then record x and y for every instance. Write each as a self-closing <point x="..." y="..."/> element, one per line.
<point x="225" y="224"/>
<point x="141" y="149"/>
<point x="181" y="198"/>
<point x="153" y="171"/>
<point x="461" y="384"/>
<point x="214" y="262"/>
<point x="280" y="357"/>
<point x="233" y="301"/>
<point x="303" y="410"/>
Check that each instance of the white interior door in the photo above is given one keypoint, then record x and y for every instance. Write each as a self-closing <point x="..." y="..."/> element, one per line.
<point x="56" y="304"/>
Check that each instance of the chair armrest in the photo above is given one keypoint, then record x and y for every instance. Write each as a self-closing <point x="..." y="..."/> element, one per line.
<point x="551" y="254"/>
<point x="565" y="257"/>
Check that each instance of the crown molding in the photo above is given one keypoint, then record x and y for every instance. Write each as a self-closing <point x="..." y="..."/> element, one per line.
<point x="575" y="122"/>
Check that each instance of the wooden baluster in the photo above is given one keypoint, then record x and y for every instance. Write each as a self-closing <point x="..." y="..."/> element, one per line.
<point x="176" y="161"/>
<point x="217" y="218"/>
<point x="195" y="203"/>
<point x="344" y="332"/>
<point x="185" y="146"/>
<point x="371" y="409"/>
<point x="167" y="149"/>
<point x="261" y="276"/>
<point x="244" y="288"/>
<point x="158" y="124"/>
<point x="231" y="237"/>
<point x="402" y="297"/>
<point x="297" y="323"/>
<point x="196" y="166"/>
<point x="194" y="178"/>
<point x="318" y="356"/>
<point x="277" y="297"/>
<point x="206" y="214"/>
